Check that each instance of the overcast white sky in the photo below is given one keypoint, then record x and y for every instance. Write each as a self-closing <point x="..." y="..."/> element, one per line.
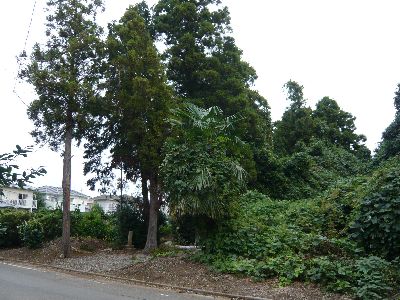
<point x="348" y="50"/>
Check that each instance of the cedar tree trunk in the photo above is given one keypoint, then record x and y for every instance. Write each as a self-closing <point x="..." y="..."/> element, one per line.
<point x="151" y="242"/>
<point x="146" y="203"/>
<point x="66" y="186"/>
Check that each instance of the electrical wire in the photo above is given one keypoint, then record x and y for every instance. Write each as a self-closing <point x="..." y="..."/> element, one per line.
<point x="24" y="51"/>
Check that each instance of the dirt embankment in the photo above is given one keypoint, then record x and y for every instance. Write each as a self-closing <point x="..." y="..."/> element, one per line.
<point x="96" y="256"/>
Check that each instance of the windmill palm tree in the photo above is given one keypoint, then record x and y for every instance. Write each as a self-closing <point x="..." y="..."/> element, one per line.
<point x="201" y="170"/>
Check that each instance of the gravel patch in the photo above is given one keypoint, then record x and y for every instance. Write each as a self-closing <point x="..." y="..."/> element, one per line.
<point x="101" y="262"/>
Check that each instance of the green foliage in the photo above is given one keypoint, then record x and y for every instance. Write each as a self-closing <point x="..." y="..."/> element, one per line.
<point x="51" y="221"/>
<point x="367" y="278"/>
<point x="313" y="148"/>
<point x="40" y="198"/>
<point x="132" y="115"/>
<point x="129" y="217"/>
<point x="373" y="278"/>
<point x="206" y="68"/>
<point x="204" y="185"/>
<point x="32" y="233"/>
<point x="377" y="227"/>
<point x="184" y="229"/>
<point x="10" y="220"/>
<point x="9" y="170"/>
<point x="300" y="240"/>
<point x="338" y="128"/>
<point x="390" y="145"/>
<point x="335" y="275"/>
<point x="308" y="172"/>
<point x="297" y="125"/>
<point x="33" y="229"/>
<point x="65" y="72"/>
<point x="300" y="125"/>
<point x="93" y="224"/>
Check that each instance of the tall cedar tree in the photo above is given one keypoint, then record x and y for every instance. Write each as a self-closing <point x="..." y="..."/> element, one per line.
<point x="328" y="122"/>
<point x="65" y="73"/>
<point x="390" y="144"/>
<point x="337" y="127"/>
<point x="137" y="101"/>
<point x="206" y="68"/>
<point x="297" y="125"/>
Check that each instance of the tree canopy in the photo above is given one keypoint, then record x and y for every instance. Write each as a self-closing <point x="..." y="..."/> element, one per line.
<point x="390" y="144"/>
<point x="132" y="120"/>
<point x="65" y="73"/>
<point x="206" y="68"/>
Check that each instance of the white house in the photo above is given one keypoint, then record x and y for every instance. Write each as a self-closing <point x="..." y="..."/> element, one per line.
<point x="53" y="198"/>
<point x="107" y="203"/>
<point x="17" y="197"/>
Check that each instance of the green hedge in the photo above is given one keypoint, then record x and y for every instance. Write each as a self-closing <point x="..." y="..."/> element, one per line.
<point x="10" y="220"/>
<point x="19" y="228"/>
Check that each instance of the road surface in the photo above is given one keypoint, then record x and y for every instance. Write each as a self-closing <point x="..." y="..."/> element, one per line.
<point x="21" y="282"/>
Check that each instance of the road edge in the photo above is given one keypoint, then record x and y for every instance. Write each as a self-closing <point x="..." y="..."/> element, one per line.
<point x="136" y="281"/>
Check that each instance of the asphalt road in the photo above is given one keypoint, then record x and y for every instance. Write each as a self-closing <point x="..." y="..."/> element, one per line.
<point x="20" y="282"/>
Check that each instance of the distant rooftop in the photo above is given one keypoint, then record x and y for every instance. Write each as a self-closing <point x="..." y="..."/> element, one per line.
<point x="58" y="191"/>
<point x="111" y="197"/>
<point x="15" y="186"/>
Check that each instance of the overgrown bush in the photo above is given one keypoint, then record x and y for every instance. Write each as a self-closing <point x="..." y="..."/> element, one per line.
<point x="308" y="172"/>
<point x="19" y="227"/>
<point x="9" y="222"/>
<point x="296" y="240"/>
<point x="51" y="221"/>
<point x="93" y="224"/>
<point x="32" y="233"/>
<point x="373" y="278"/>
<point x="129" y="216"/>
<point x="377" y="227"/>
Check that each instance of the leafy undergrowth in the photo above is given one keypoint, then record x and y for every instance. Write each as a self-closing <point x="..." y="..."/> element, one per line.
<point x="306" y="240"/>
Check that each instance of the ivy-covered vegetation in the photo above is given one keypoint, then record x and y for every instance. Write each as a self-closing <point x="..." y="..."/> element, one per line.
<point x="301" y="198"/>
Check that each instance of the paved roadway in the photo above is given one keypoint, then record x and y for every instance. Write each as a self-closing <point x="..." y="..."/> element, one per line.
<point x="21" y="282"/>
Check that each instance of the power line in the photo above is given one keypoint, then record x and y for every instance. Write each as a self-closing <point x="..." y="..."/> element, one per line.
<point x="24" y="51"/>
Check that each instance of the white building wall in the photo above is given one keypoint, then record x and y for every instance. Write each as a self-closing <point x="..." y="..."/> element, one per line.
<point x="82" y="203"/>
<point x="108" y="206"/>
<point x="18" y="198"/>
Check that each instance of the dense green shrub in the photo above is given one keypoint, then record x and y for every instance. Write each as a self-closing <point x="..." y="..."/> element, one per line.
<point x="298" y="240"/>
<point x="51" y="221"/>
<point x="373" y="278"/>
<point x="308" y="172"/>
<point x="32" y="233"/>
<point x="32" y="229"/>
<point x="93" y="224"/>
<point x="129" y="217"/>
<point x="377" y="227"/>
<point x="184" y="230"/>
<point x="9" y="222"/>
<point x="367" y="278"/>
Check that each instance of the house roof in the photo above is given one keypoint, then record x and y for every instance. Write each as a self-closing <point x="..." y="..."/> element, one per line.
<point x="58" y="191"/>
<point x="111" y="198"/>
<point x="106" y="198"/>
<point x="15" y="186"/>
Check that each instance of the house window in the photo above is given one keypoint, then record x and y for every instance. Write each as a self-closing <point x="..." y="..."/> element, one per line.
<point x="22" y="196"/>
